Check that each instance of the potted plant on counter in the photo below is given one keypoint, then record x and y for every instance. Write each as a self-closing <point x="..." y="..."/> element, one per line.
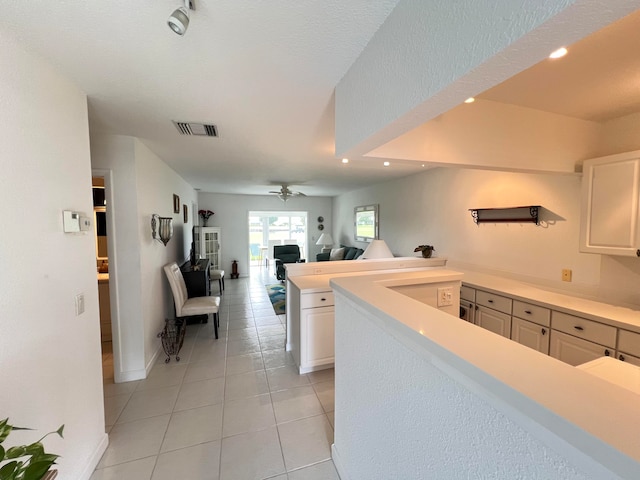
<point x="426" y="250"/>
<point x="26" y="462"/>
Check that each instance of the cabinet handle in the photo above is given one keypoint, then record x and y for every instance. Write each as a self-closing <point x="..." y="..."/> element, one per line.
<point x="607" y="353"/>
<point x="528" y="312"/>
<point x="578" y="327"/>
<point x="638" y="252"/>
<point x="544" y="331"/>
<point x="621" y="357"/>
<point x="490" y="301"/>
<point x="323" y="299"/>
<point x="477" y="307"/>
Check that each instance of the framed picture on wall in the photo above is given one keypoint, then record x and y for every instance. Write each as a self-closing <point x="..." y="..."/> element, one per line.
<point x="185" y="214"/>
<point x="176" y="203"/>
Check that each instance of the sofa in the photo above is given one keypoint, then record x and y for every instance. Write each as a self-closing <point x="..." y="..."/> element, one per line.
<point x="342" y="253"/>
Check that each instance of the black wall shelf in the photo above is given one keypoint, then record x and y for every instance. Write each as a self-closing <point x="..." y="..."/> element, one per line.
<point x="527" y="214"/>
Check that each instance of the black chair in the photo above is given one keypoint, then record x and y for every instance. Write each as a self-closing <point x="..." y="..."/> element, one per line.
<point x="285" y="254"/>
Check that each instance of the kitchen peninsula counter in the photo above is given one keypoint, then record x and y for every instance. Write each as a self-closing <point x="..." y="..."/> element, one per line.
<point x="420" y="394"/>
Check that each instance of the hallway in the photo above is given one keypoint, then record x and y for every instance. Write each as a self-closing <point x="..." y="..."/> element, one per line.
<point x="232" y="408"/>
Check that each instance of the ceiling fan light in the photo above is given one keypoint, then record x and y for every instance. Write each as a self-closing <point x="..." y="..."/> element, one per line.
<point x="179" y="20"/>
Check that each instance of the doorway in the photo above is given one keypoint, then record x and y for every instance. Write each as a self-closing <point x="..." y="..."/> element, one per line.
<point x="102" y="187"/>
<point x="270" y="228"/>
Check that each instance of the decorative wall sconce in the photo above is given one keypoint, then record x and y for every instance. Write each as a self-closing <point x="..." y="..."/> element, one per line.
<point x="161" y="228"/>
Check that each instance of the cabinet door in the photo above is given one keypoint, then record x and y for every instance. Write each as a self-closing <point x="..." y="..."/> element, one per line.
<point x="317" y="332"/>
<point x="628" y="358"/>
<point x="207" y="240"/>
<point x="494" y="321"/>
<point x="575" y="351"/>
<point x="609" y="213"/>
<point x="530" y="334"/>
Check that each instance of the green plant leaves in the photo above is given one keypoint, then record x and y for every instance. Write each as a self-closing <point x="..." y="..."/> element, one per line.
<point x="37" y="462"/>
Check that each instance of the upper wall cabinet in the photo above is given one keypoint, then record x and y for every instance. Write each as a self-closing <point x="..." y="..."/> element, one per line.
<point x="609" y="221"/>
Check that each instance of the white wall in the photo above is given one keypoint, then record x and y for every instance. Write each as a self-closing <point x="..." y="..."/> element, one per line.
<point x="433" y="208"/>
<point x="429" y="56"/>
<point x="50" y="358"/>
<point x="231" y="214"/>
<point x="142" y="184"/>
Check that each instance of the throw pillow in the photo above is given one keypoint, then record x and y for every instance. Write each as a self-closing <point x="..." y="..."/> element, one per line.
<point x="350" y="253"/>
<point x="336" y="254"/>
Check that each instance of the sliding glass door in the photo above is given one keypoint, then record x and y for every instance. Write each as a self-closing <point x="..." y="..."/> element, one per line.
<point x="275" y="228"/>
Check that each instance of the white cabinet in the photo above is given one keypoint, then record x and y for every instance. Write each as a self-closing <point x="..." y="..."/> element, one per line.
<point x="629" y="347"/>
<point x="574" y="350"/>
<point x="494" y="321"/>
<point x="530" y="326"/>
<point x="317" y="325"/>
<point x="530" y="334"/>
<point x="493" y="312"/>
<point x="208" y="245"/>
<point x="609" y="221"/>
<point x="317" y="330"/>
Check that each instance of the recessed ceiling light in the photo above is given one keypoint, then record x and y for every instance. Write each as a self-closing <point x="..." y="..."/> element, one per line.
<point x="345" y="160"/>
<point x="559" y="53"/>
<point x="470" y="100"/>
<point x="423" y="164"/>
<point x="386" y="164"/>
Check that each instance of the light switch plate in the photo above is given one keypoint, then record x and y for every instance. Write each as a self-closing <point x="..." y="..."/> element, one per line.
<point x="445" y="296"/>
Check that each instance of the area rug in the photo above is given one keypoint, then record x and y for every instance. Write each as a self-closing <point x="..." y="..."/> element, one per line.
<point x="276" y="294"/>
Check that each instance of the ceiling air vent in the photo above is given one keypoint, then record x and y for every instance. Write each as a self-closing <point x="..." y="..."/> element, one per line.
<point x="197" y="129"/>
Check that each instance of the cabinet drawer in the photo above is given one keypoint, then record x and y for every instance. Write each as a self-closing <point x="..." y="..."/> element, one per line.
<point x="629" y="342"/>
<point x="575" y="351"/>
<point x="468" y="293"/>
<point x="314" y="300"/>
<point x="502" y="304"/>
<point x="533" y="313"/>
<point x="629" y="359"/>
<point x="583" y="328"/>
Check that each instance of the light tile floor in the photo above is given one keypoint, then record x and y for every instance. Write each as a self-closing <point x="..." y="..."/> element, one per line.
<point x="232" y="408"/>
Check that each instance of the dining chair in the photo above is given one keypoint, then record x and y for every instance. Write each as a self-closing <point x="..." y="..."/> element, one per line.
<point x="189" y="307"/>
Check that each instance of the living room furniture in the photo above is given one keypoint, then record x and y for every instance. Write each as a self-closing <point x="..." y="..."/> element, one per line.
<point x="349" y="253"/>
<point x="207" y="244"/>
<point x="219" y="276"/>
<point x="285" y="254"/>
<point x="196" y="278"/>
<point x="189" y="307"/>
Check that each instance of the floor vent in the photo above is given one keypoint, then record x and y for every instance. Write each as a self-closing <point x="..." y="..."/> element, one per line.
<point x="197" y="129"/>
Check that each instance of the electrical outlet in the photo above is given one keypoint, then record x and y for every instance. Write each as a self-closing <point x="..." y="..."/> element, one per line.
<point x="79" y="304"/>
<point x="566" y="275"/>
<point x="445" y="296"/>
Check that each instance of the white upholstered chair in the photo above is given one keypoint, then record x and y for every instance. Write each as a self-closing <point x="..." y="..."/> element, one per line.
<point x="217" y="275"/>
<point x="188" y="307"/>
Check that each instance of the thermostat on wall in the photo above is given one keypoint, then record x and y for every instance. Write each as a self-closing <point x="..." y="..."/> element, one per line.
<point x="75" y="222"/>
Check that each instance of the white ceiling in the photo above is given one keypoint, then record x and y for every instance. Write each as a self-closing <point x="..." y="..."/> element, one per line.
<point x="264" y="72"/>
<point x="598" y="80"/>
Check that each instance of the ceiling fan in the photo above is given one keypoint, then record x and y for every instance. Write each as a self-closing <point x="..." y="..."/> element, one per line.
<point x="285" y="193"/>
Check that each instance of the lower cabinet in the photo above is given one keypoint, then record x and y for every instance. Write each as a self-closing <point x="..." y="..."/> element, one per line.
<point x="574" y="350"/>
<point x="317" y="335"/>
<point x="494" y="321"/>
<point x="629" y="347"/>
<point x="530" y="334"/>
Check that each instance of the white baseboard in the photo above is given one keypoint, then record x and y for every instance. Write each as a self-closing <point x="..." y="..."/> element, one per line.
<point x="95" y="458"/>
<point x="152" y="362"/>
<point x="335" y="456"/>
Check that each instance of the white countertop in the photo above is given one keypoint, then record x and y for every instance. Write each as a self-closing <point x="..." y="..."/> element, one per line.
<point x="614" y="371"/>
<point x="601" y="312"/>
<point x="320" y="283"/>
<point x="582" y="409"/>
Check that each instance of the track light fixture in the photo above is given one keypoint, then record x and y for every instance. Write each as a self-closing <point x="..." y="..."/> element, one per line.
<point x="179" y="19"/>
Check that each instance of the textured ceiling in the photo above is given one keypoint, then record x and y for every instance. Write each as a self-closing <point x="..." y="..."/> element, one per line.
<point x="598" y="80"/>
<point x="264" y="72"/>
